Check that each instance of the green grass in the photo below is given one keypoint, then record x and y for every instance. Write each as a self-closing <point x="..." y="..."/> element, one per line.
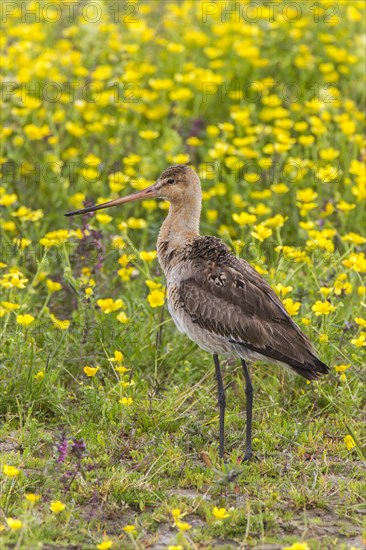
<point x="134" y="462"/>
<point x="143" y="461"/>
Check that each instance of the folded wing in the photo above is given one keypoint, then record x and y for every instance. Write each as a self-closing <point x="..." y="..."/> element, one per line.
<point x="226" y="296"/>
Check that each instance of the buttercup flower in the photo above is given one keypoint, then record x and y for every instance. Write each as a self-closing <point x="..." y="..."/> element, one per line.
<point x="156" y="298"/>
<point x="220" y="513"/>
<point x="57" y="506"/>
<point x="10" y="471"/>
<point x="90" y="371"/>
<point x="350" y="442"/>
<point x="14" y="524"/>
<point x="322" y="308"/>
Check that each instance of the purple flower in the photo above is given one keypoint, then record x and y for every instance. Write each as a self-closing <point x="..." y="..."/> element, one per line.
<point x="62" y="450"/>
<point x="78" y="448"/>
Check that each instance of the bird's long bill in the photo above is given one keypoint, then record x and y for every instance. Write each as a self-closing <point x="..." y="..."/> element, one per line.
<point x="145" y="193"/>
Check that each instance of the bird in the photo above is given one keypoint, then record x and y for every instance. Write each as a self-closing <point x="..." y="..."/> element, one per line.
<point x="218" y="299"/>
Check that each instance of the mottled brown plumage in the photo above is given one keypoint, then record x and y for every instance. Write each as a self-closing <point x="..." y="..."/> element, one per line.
<point x="224" y="296"/>
<point x="217" y="299"/>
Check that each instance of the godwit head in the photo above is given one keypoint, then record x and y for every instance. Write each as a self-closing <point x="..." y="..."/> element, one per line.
<point x="178" y="184"/>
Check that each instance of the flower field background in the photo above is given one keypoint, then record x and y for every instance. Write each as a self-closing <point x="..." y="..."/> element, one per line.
<point x="109" y="423"/>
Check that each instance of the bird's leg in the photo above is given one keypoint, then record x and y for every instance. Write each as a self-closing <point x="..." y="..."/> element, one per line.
<point x="222" y="402"/>
<point x="249" y="395"/>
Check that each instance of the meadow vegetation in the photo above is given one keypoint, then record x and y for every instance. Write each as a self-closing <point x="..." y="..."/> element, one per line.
<point x="109" y="419"/>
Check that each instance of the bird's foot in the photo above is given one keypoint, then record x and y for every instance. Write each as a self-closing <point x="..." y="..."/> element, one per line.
<point x="248" y="455"/>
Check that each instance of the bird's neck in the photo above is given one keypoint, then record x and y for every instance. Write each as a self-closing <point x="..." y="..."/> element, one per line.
<point x="179" y="228"/>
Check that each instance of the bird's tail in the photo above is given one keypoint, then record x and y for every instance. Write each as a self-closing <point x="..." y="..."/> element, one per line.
<point x="312" y="369"/>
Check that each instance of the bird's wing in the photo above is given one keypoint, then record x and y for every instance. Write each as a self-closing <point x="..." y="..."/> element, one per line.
<point x="228" y="297"/>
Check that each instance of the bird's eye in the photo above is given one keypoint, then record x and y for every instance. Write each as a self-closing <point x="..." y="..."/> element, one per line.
<point x="170" y="180"/>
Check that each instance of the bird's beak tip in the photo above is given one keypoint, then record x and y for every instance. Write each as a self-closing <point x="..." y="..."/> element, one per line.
<point x="149" y="191"/>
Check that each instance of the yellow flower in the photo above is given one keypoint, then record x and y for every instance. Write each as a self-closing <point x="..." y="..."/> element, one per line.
<point x="324" y="291"/>
<point x="53" y="286"/>
<point x="345" y="206"/>
<point x="360" y="321"/>
<point x="25" y="320"/>
<point x="57" y="506"/>
<point x="322" y="308"/>
<point x="108" y="305"/>
<point x="328" y="154"/>
<point x="90" y="371"/>
<point x="10" y="471"/>
<point x="59" y="323"/>
<point x="89" y="292"/>
<point x="118" y="357"/>
<point x="244" y="219"/>
<point x="342" y="368"/>
<point x="152" y="285"/>
<point x="148" y="256"/>
<point x="176" y="513"/>
<point x="126" y="384"/>
<point x="14" y="279"/>
<point x="14" y="524"/>
<point x="77" y="200"/>
<point x="283" y="290"/>
<point x="360" y="341"/>
<point x="261" y="232"/>
<point x="127" y="401"/>
<point x="279" y="188"/>
<point x="26" y="214"/>
<point x="297" y="546"/>
<point x="182" y="525"/>
<point x="212" y="215"/>
<point x="105" y="545"/>
<point x="161" y="83"/>
<point x="102" y="72"/>
<point x="40" y="375"/>
<point x="122" y="318"/>
<point x="176" y="547"/>
<point x="74" y="129"/>
<point x="22" y="243"/>
<point x="220" y="513"/>
<point x="292" y="307"/>
<point x="34" y="132"/>
<point x="8" y="200"/>
<point x="306" y="195"/>
<point x="260" y="209"/>
<point x="136" y="223"/>
<point x="357" y="262"/>
<point x="361" y="291"/>
<point x="354" y="238"/>
<point x="55" y="238"/>
<point x="276" y="221"/>
<point x="323" y="338"/>
<point x="118" y="242"/>
<point x="156" y="298"/>
<point x="104" y="218"/>
<point x="350" y="442"/>
<point x="125" y="259"/>
<point x="148" y="134"/>
<point x="129" y="528"/>
<point x="10" y="306"/>
<point x="122" y="369"/>
<point x="32" y="497"/>
<point x="194" y="141"/>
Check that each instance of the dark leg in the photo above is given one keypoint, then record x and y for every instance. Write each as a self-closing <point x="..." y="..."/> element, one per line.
<point x="249" y="395"/>
<point x="222" y="403"/>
